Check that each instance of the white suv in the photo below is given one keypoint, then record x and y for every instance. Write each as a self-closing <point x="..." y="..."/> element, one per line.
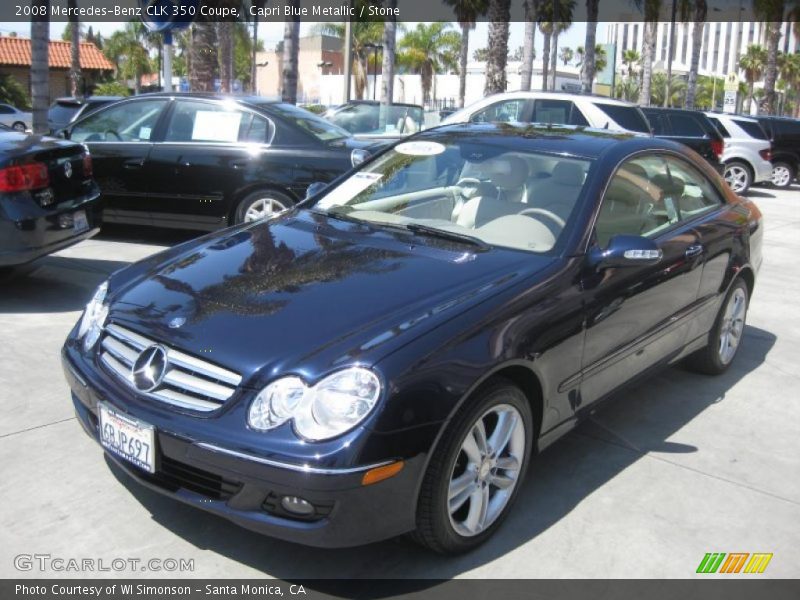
<point x="746" y="155"/>
<point x="555" y="108"/>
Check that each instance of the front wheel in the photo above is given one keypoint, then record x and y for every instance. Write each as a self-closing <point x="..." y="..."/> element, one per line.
<point x="261" y="205"/>
<point x="738" y="177"/>
<point x="477" y="470"/>
<point x="726" y="336"/>
<point x="782" y="175"/>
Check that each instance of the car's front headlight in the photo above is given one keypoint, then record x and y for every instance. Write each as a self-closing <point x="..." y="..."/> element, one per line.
<point x="94" y="317"/>
<point x="320" y="412"/>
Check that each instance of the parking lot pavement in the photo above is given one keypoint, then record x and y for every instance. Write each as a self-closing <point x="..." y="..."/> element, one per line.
<point x="674" y="468"/>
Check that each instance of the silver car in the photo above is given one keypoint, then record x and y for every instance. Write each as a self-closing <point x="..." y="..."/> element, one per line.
<point x="746" y="155"/>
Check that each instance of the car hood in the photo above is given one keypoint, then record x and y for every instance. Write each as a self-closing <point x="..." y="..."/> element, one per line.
<point x="307" y="294"/>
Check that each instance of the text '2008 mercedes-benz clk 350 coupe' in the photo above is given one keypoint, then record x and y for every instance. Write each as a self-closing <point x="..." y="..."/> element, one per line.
<point x="389" y="355"/>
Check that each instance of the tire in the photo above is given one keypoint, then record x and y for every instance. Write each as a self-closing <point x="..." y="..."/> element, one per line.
<point x="248" y="209"/>
<point x="782" y="175"/>
<point x="739" y="176"/>
<point x="718" y="355"/>
<point x="497" y="402"/>
<point x="19" y="126"/>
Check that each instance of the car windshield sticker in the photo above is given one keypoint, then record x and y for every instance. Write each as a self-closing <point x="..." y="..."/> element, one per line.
<point x="144" y="133"/>
<point x="420" y="148"/>
<point x="348" y="189"/>
<point x="213" y="126"/>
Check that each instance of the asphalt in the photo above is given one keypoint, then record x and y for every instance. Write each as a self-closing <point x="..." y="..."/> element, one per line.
<point x="677" y="467"/>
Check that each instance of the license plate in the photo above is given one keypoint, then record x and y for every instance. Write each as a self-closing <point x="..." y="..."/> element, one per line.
<point x="79" y="221"/>
<point x="128" y="438"/>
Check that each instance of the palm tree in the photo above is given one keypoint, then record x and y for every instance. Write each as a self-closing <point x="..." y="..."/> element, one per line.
<point x="546" y="28"/>
<point x="561" y="22"/>
<point x="467" y="13"/>
<point x="387" y="68"/>
<point x="427" y="49"/>
<point x="291" y="48"/>
<point x="752" y="62"/>
<point x="589" y="67"/>
<point x="364" y="33"/>
<point x="566" y="54"/>
<point x="658" y="83"/>
<point x="40" y="71"/>
<point x="790" y="74"/>
<point x="770" y="11"/>
<point x="203" y="56"/>
<point x="600" y="57"/>
<point x="699" y="18"/>
<point x="75" y="49"/>
<point x="631" y="58"/>
<point x="627" y="89"/>
<point x="499" y="13"/>
<point x="126" y="50"/>
<point x="651" y="10"/>
<point x="531" y="8"/>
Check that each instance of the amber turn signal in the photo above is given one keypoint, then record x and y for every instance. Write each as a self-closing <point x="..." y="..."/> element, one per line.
<point x="380" y="473"/>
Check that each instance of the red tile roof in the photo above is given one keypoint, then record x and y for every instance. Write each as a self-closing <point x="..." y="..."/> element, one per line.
<point x="17" y="51"/>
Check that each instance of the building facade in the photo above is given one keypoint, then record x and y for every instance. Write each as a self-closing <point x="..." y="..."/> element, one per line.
<point x="723" y="44"/>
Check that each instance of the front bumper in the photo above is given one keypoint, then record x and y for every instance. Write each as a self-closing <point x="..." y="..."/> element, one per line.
<point x="247" y="492"/>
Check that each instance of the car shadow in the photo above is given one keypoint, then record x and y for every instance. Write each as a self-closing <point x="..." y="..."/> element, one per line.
<point x="54" y="284"/>
<point x="760" y="193"/>
<point x="636" y="422"/>
<point x="143" y="234"/>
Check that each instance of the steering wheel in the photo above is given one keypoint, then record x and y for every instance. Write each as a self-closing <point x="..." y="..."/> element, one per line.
<point x="468" y="182"/>
<point x="545" y="213"/>
<point x="116" y="135"/>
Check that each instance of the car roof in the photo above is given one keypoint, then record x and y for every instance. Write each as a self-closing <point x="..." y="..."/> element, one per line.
<point x="716" y="114"/>
<point x="377" y="103"/>
<point x="556" y="96"/>
<point x="567" y="140"/>
<point x="88" y="100"/>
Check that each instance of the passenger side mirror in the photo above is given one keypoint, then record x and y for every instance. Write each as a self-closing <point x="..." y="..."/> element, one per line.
<point x="315" y="188"/>
<point x="625" y="251"/>
<point x="62" y="133"/>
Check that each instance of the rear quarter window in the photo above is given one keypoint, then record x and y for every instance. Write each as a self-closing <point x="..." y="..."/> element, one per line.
<point x="720" y="127"/>
<point x="754" y="130"/>
<point x="627" y="117"/>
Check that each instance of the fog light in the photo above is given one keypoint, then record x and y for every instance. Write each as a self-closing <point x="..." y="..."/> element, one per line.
<point x="298" y="506"/>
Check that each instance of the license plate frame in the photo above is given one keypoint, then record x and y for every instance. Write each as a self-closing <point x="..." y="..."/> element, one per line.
<point x="80" y="222"/>
<point x="127" y="437"/>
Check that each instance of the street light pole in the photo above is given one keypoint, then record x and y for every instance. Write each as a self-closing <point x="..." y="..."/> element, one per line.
<point x="669" y="56"/>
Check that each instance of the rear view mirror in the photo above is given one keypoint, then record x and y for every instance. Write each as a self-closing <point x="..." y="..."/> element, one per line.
<point x="626" y="251"/>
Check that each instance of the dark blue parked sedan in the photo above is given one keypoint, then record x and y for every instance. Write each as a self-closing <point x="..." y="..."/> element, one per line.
<point x="389" y="356"/>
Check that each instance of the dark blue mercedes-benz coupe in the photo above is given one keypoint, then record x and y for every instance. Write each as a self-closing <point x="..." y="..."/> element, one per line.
<point x="389" y="355"/>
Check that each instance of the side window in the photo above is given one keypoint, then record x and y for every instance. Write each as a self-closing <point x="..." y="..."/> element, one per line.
<point x="695" y="193"/>
<point x="127" y="122"/>
<point x="720" y="127"/>
<point x="659" y="123"/>
<point x="253" y="129"/>
<point x="640" y="200"/>
<point x="685" y="126"/>
<point x="193" y="121"/>
<point x="5" y="109"/>
<point x="551" y="111"/>
<point x="510" y="111"/>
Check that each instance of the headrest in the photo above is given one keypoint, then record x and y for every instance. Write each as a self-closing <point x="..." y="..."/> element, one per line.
<point x="483" y="190"/>
<point x="506" y="172"/>
<point x="568" y="173"/>
<point x="635" y="169"/>
<point x="670" y="186"/>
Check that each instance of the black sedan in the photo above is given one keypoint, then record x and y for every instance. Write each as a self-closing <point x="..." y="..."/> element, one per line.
<point x="390" y="355"/>
<point x="48" y="199"/>
<point x="205" y="162"/>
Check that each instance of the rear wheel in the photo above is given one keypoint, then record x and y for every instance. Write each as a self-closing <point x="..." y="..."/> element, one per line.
<point x="726" y="336"/>
<point x="782" y="174"/>
<point x="738" y="176"/>
<point x="477" y="470"/>
<point x="261" y="205"/>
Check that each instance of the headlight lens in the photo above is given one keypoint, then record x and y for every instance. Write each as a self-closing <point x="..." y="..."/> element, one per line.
<point x="334" y="405"/>
<point x="94" y="317"/>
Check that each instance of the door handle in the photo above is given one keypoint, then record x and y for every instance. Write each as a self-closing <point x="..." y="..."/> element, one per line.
<point x="694" y="250"/>
<point x="137" y="163"/>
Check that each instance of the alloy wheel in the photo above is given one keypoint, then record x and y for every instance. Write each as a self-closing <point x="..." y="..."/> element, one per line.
<point x="781" y="175"/>
<point x="732" y="326"/>
<point x="262" y="208"/>
<point x="737" y="178"/>
<point x="486" y="470"/>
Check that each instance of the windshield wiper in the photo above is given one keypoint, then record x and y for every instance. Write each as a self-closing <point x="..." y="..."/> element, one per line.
<point x="447" y="235"/>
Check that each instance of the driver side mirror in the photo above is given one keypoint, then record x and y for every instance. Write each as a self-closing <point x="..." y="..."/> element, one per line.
<point x="62" y="133"/>
<point x="625" y="251"/>
<point x="315" y="188"/>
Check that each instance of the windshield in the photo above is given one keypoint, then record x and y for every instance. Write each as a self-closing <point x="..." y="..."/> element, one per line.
<point x="62" y="113"/>
<point x="308" y="122"/>
<point x="477" y="190"/>
<point x="365" y="119"/>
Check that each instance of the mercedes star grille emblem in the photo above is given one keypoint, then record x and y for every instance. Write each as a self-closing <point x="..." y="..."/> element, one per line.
<point x="149" y="369"/>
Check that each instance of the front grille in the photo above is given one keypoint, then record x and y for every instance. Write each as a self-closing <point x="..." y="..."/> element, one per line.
<point x="188" y="382"/>
<point x="173" y="475"/>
